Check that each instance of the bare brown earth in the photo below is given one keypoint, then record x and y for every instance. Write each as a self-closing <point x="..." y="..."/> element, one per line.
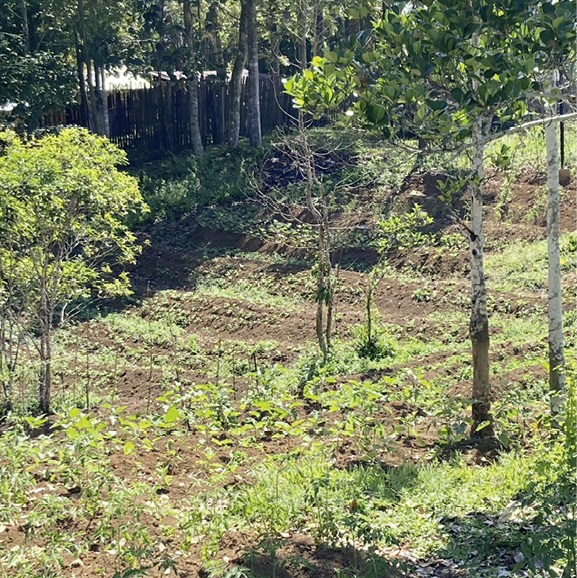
<point x="216" y="320"/>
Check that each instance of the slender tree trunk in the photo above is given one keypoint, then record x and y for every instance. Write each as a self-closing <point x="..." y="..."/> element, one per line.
<point x="90" y="80"/>
<point x="92" y="106"/>
<point x="325" y="285"/>
<point x="101" y="103"/>
<point x="5" y="358"/>
<point x="275" y="42"/>
<point x="321" y="289"/>
<point x="84" y="114"/>
<point x="34" y="119"/>
<point x="556" y="353"/>
<point x="325" y="282"/>
<point x="479" y="321"/>
<point x="236" y="80"/>
<point x="303" y="27"/>
<point x="255" y="134"/>
<point x="195" y="132"/>
<point x="11" y="343"/>
<point x="192" y="81"/>
<point x="214" y="27"/>
<point x="25" y="27"/>
<point x="105" y="111"/>
<point x="45" y="350"/>
<point x="319" y="36"/>
<point x="324" y="317"/>
<point x="328" y="273"/>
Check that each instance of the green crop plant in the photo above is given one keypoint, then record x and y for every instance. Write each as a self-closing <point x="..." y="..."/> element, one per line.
<point x="25" y="561"/>
<point x="20" y="459"/>
<point x="395" y="232"/>
<point x="142" y="331"/>
<point x="168" y="307"/>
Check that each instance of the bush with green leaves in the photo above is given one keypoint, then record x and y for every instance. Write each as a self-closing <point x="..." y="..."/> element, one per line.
<point x="176" y="185"/>
<point x="63" y="212"/>
<point x="170" y="199"/>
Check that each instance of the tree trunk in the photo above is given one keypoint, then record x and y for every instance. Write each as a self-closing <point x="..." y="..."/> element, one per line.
<point x="328" y="273"/>
<point x="90" y="81"/>
<point x="25" y="27"/>
<point x="213" y="28"/>
<point x="254" y="125"/>
<point x="84" y="114"/>
<point x="236" y="80"/>
<point x="319" y="36"/>
<point x="101" y="101"/>
<point x="33" y="121"/>
<point x="105" y="111"/>
<point x="195" y="133"/>
<point x="45" y="350"/>
<point x="92" y="106"/>
<point x="11" y="343"/>
<point x="479" y="321"/>
<point x="320" y="324"/>
<point x="215" y="58"/>
<point x="304" y="32"/>
<point x="324" y="288"/>
<point x="556" y="353"/>
<point x="320" y="212"/>
<point x="5" y="360"/>
<point x="192" y="82"/>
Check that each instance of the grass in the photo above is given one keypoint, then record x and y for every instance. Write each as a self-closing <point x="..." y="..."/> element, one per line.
<point x="257" y="292"/>
<point x="415" y="506"/>
<point x="523" y="265"/>
<point x="526" y="149"/>
<point x="138" y="330"/>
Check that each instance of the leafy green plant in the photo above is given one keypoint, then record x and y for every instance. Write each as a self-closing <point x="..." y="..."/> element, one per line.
<point x="170" y="199"/>
<point x="423" y="294"/>
<point x="375" y="345"/>
<point x="174" y="186"/>
<point x="63" y="205"/>
<point x="503" y="158"/>
<point x="552" y="495"/>
<point x="396" y="232"/>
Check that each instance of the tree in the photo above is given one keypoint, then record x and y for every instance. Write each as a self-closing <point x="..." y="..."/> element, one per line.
<point x="36" y="72"/>
<point x="103" y="34"/>
<point x="192" y="79"/>
<point x="62" y="210"/>
<point x="555" y="313"/>
<point x="254" y="124"/>
<point x="317" y="200"/>
<point x="236" y="78"/>
<point x="309" y="204"/>
<point x="454" y="73"/>
<point x="557" y="35"/>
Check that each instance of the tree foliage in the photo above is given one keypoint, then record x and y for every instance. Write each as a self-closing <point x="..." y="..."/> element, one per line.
<point x="63" y="205"/>
<point x="36" y="72"/>
<point x="433" y="67"/>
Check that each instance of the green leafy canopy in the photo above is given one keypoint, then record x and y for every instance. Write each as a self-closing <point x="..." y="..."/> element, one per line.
<point x="63" y="205"/>
<point x="435" y="67"/>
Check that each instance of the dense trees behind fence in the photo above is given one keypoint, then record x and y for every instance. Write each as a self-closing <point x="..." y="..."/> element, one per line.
<point x="158" y="117"/>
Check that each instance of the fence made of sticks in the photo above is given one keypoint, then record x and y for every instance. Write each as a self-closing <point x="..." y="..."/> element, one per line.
<point x="159" y="117"/>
